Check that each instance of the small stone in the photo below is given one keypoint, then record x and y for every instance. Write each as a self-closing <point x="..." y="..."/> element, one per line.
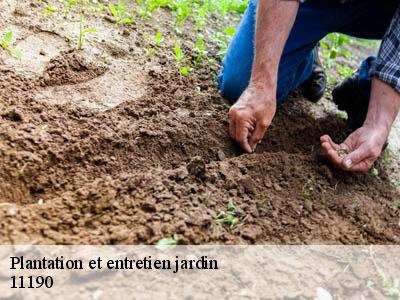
<point x="11" y="212"/>
<point x="221" y="155"/>
<point x="308" y="205"/>
<point x="182" y="173"/>
<point x="40" y="201"/>
<point x="277" y="187"/>
<point x="268" y="183"/>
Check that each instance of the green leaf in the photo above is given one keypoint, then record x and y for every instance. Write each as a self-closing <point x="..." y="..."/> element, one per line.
<point x="89" y="30"/>
<point x="167" y="243"/>
<point x="178" y="52"/>
<point x="229" y="31"/>
<point x="16" y="53"/>
<point x="113" y="11"/>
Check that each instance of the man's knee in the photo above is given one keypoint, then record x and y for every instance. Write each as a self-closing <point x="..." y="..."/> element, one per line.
<point x="230" y="85"/>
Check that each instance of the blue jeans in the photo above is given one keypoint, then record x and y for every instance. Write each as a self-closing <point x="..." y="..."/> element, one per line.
<point x="316" y="18"/>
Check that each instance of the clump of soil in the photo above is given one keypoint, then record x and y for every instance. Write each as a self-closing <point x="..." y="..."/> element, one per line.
<point x="72" y="67"/>
<point x="162" y="163"/>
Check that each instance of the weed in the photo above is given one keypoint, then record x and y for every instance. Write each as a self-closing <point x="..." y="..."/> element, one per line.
<point x="391" y="285"/>
<point x="82" y="33"/>
<point x="227" y="217"/>
<point x="49" y="10"/>
<point x="332" y="47"/>
<point x="179" y="56"/>
<point x="180" y="59"/>
<point x="387" y="155"/>
<point x="6" y="43"/>
<point x="374" y="171"/>
<point x="120" y="13"/>
<point x="168" y="243"/>
<point x="158" y="38"/>
<point x="150" y="52"/>
<point x="341" y="116"/>
<point x="206" y="199"/>
<point x="307" y="189"/>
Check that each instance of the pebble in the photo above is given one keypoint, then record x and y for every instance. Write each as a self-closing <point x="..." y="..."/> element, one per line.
<point x="11" y="212"/>
<point x="277" y="187"/>
<point x="221" y="155"/>
<point x="308" y="205"/>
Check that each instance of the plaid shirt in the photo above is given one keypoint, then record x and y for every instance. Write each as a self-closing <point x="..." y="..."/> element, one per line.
<point x="387" y="65"/>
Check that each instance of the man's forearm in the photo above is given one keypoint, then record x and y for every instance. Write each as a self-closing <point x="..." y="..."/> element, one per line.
<point x="275" y="20"/>
<point x="384" y="106"/>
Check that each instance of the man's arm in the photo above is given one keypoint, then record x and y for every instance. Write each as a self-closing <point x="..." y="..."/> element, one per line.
<point x="250" y="117"/>
<point x="365" y="144"/>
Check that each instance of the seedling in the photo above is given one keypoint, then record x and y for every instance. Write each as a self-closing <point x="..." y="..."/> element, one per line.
<point x="168" y="243"/>
<point x="49" y="10"/>
<point x="227" y="217"/>
<point x="158" y="38"/>
<point x="120" y="13"/>
<point x="206" y="199"/>
<point x="68" y="4"/>
<point x="150" y="52"/>
<point x="6" y="42"/>
<point x="391" y="285"/>
<point x="341" y="116"/>
<point x="374" y="171"/>
<point x="307" y="189"/>
<point x="201" y="49"/>
<point x="82" y="33"/>
<point x="180" y="58"/>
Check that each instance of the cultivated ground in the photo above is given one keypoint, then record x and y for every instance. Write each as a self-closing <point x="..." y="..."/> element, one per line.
<point x="112" y="145"/>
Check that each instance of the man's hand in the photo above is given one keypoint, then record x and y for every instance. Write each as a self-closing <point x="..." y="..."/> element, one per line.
<point x="359" y="151"/>
<point x="250" y="117"/>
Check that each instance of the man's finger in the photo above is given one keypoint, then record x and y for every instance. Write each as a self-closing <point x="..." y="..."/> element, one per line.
<point x="232" y="125"/>
<point x="258" y="134"/>
<point x="363" y="166"/>
<point x="356" y="158"/>
<point x="327" y="139"/>
<point x="334" y="157"/>
<point x="242" y="135"/>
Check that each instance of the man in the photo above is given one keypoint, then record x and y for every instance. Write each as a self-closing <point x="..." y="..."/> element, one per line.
<point x="273" y="53"/>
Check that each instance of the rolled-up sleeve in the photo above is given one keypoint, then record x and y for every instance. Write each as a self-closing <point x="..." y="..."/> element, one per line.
<point x="387" y="65"/>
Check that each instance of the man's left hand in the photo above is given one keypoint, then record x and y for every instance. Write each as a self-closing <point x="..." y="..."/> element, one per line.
<point x="359" y="151"/>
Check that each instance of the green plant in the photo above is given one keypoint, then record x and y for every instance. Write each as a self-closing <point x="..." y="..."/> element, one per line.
<point x="341" y="116"/>
<point x="168" y="243"/>
<point x="158" y="38"/>
<point x="82" y="33"/>
<point x="391" y="286"/>
<point x="120" y="13"/>
<point x="180" y="59"/>
<point x="6" y="42"/>
<point x="374" y="171"/>
<point x="332" y="47"/>
<point x="307" y="189"/>
<point x="227" y="217"/>
<point x="49" y="10"/>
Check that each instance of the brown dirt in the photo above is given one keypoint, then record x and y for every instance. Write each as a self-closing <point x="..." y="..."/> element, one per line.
<point x="125" y="150"/>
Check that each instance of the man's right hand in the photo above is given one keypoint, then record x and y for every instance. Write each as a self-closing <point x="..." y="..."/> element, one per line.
<point x="251" y="115"/>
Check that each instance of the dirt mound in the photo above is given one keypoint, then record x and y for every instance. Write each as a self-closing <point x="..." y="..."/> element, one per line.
<point x="160" y="161"/>
<point x="72" y="67"/>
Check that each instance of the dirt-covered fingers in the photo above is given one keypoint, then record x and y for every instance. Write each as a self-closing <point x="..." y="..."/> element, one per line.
<point x="258" y="134"/>
<point x="332" y="150"/>
<point x="240" y="127"/>
<point x="360" y="160"/>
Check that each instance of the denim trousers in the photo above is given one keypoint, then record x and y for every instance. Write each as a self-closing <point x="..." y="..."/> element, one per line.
<point x="367" y="19"/>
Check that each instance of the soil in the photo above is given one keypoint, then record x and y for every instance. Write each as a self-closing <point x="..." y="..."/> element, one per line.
<point x="108" y="145"/>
